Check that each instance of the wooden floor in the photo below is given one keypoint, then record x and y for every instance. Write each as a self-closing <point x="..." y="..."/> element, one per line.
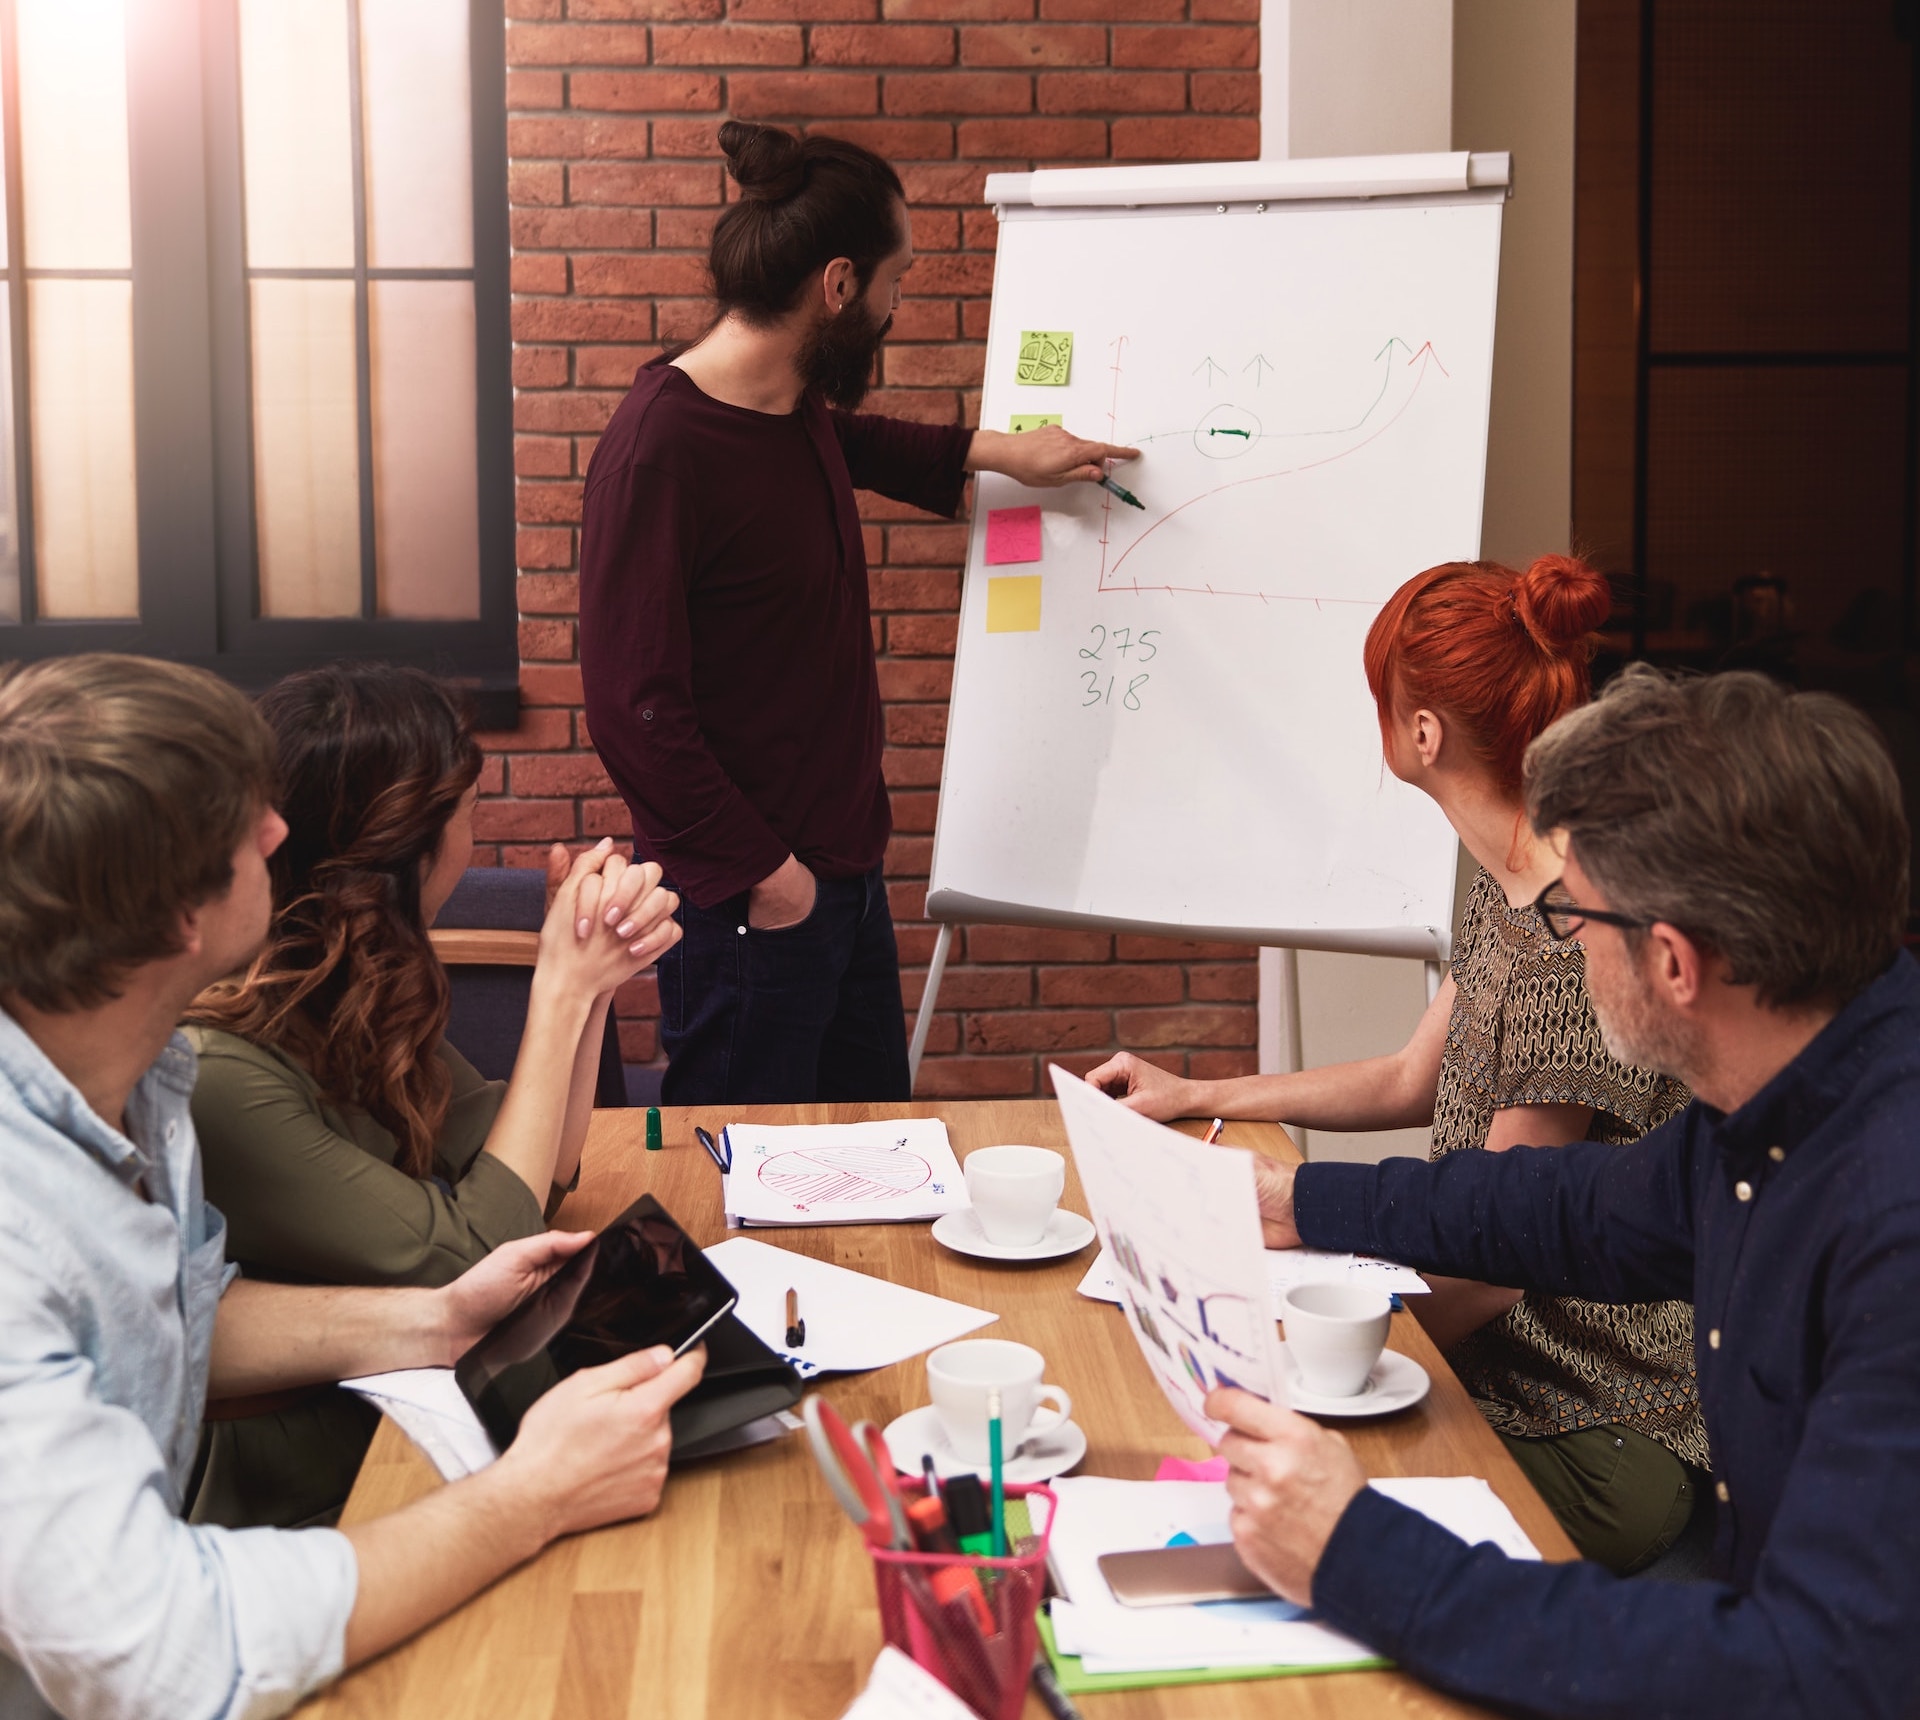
<point x="748" y="1593"/>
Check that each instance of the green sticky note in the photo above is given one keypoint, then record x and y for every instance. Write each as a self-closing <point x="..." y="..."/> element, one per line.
<point x="1033" y="421"/>
<point x="1013" y="604"/>
<point x="1046" y="356"/>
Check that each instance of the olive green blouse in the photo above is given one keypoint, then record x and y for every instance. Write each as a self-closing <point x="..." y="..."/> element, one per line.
<point x="312" y="1194"/>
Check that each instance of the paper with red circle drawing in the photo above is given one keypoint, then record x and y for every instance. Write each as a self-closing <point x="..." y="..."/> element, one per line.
<point x="901" y="1172"/>
<point x="1013" y="534"/>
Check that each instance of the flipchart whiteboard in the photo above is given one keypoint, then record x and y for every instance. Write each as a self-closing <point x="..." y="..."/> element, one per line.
<point x="1178" y="736"/>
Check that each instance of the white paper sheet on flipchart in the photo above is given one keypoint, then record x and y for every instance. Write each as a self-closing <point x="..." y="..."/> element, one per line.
<point x="1099" y="1516"/>
<point x="428" y="1406"/>
<point x="1188" y="1216"/>
<point x="900" y="1171"/>
<point x="1286" y="1267"/>
<point x="899" y="1689"/>
<point x="854" y="1321"/>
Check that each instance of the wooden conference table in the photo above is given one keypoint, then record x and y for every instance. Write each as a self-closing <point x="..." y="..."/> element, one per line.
<point x="748" y="1593"/>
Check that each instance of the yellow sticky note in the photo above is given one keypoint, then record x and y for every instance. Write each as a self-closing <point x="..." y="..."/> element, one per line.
<point x="1033" y="421"/>
<point x="1013" y="604"/>
<point x="1046" y="356"/>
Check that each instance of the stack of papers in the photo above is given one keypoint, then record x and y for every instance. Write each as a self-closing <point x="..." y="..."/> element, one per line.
<point x="853" y="1321"/>
<point x="900" y="1172"/>
<point x="1287" y="1267"/>
<point x="1098" y="1516"/>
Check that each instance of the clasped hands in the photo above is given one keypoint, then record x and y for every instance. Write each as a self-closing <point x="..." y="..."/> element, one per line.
<point x="620" y="917"/>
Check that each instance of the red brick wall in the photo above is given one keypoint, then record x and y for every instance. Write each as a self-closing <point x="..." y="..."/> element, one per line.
<point x="615" y="183"/>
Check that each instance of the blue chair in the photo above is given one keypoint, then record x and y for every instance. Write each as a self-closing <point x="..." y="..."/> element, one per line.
<point x="487" y="937"/>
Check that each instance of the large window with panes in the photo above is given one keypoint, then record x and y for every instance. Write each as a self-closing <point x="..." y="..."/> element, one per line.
<point x="254" y="392"/>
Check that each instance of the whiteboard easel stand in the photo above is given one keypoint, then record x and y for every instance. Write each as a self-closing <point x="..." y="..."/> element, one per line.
<point x="1255" y="184"/>
<point x="1279" y="983"/>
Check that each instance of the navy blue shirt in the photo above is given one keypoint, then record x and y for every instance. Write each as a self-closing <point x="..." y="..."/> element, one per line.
<point x="1793" y="1224"/>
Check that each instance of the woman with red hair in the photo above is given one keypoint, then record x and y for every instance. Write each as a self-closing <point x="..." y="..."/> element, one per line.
<point x="1467" y="663"/>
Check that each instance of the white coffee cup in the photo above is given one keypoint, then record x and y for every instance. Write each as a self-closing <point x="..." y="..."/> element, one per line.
<point x="959" y="1377"/>
<point x="1014" y="1191"/>
<point x="1335" y="1333"/>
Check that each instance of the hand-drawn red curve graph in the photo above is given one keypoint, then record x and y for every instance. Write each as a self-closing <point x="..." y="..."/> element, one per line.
<point x="812" y="1175"/>
<point x="1422" y="357"/>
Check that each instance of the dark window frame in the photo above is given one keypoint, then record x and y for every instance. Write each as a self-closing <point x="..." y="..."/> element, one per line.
<point x="193" y="440"/>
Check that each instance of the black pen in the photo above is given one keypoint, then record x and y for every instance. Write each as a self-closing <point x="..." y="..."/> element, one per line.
<point x="1047" y="1687"/>
<point x="713" y="1151"/>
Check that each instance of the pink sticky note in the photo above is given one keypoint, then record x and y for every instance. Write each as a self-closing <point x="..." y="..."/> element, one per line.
<point x="1013" y="534"/>
<point x="1191" y="1469"/>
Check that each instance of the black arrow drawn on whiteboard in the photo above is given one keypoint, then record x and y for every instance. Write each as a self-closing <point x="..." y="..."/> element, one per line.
<point x="1260" y="365"/>
<point x="1210" y="368"/>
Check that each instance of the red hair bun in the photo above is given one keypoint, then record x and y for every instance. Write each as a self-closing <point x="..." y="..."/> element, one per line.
<point x="1498" y="654"/>
<point x="1561" y="601"/>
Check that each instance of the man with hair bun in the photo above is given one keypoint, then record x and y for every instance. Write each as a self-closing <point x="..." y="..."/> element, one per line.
<point x="1467" y="663"/>
<point x="726" y="641"/>
<point x="1735" y="862"/>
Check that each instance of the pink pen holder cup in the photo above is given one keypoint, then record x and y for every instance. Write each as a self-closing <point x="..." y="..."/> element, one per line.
<point x="971" y="1622"/>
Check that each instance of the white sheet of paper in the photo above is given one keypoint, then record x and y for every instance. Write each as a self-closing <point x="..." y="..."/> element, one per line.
<point x="1464" y="1504"/>
<point x="1182" y="1223"/>
<point x="898" y="1172"/>
<point x="433" y="1412"/>
<point x="1100" y="1516"/>
<point x="854" y="1321"/>
<point x="900" y="1689"/>
<point x="1286" y="1267"/>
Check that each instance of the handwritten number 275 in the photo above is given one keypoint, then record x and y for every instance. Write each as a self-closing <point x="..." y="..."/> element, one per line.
<point x="1123" y="642"/>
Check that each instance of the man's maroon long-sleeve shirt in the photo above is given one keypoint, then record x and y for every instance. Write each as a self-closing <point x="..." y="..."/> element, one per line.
<point x="725" y="635"/>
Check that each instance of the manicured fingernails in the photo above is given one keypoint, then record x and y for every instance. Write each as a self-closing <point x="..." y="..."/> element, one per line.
<point x="625" y="929"/>
<point x="583" y="928"/>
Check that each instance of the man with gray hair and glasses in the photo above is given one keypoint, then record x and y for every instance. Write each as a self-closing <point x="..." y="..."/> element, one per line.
<point x="1736" y="868"/>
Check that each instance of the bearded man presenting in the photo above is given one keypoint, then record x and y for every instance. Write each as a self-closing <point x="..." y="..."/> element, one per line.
<point x="725" y="636"/>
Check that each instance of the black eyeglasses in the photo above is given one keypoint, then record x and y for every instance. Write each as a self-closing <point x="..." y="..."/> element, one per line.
<point x="1563" y="917"/>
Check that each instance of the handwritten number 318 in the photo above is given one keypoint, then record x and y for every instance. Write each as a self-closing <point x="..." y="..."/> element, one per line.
<point x="1097" y="695"/>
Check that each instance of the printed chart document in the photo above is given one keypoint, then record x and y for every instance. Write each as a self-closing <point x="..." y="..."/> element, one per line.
<point x="1182" y="1225"/>
<point x="1286" y="1267"/>
<point x="854" y="1321"/>
<point x="1099" y="1516"/>
<point x="900" y="1172"/>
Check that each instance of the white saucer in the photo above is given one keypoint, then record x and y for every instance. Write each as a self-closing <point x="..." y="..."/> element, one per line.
<point x="1397" y="1382"/>
<point x="1066" y="1233"/>
<point x="1041" y="1458"/>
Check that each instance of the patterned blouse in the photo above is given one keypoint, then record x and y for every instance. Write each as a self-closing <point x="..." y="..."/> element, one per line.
<point x="1523" y="1033"/>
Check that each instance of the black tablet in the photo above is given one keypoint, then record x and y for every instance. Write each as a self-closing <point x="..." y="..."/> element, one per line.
<point x="642" y="1281"/>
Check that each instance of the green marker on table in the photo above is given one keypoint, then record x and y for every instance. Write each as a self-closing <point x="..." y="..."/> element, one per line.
<point x="654" y="1143"/>
<point x="1126" y="496"/>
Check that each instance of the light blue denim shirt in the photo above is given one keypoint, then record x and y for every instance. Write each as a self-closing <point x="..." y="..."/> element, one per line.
<point x="110" y="1603"/>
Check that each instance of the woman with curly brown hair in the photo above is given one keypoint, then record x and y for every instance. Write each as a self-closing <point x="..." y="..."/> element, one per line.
<point x="343" y="1138"/>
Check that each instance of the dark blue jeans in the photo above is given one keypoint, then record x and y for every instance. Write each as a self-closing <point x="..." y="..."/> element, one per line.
<point x="808" y="1012"/>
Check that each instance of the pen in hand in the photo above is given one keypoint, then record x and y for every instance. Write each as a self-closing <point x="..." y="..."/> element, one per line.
<point x="1127" y="496"/>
